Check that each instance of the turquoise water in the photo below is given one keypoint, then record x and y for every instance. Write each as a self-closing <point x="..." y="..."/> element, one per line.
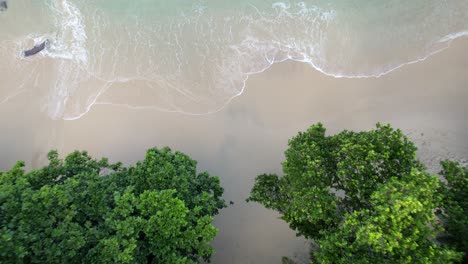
<point x="194" y="56"/>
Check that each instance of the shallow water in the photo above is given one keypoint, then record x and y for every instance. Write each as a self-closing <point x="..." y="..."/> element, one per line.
<point x="195" y="56"/>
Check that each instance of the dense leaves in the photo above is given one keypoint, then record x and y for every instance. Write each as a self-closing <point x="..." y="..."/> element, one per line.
<point x="398" y="229"/>
<point x="454" y="212"/>
<point x="83" y="210"/>
<point x="362" y="196"/>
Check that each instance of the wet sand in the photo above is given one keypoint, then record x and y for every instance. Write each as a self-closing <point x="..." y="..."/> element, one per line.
<point x="427" y="100"/>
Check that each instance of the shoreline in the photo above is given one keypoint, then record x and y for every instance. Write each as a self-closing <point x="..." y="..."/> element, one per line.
<point x="426" y="100"/>
<point x="459" y="36"/>
<point x="249" y="135"/>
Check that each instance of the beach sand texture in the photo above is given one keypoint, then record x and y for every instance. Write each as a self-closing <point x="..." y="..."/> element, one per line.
<point x="426" y="100"/>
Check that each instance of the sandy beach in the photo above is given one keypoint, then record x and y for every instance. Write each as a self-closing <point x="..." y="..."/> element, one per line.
<point x="427" y="100"/>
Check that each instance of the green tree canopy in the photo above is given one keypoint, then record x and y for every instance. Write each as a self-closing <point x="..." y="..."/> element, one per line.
<point x="362" y="196"/>
<point x="454" y="210"/>
<point x="83" y="210"/>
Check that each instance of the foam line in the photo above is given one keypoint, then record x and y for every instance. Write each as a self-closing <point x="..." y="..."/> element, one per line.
<point x="204" y="56"/>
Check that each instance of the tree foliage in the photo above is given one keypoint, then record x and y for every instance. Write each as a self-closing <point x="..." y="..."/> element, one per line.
<point x="362" y="196"/>
<point x="399" y="228"/>
<point x="454" y="210"/>
<point x="83" y="210"/>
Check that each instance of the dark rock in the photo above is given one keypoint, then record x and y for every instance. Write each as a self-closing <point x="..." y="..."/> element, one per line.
<point x="3" y="5"/>
<point x="231" y="202"/>
<point x="36" y="49"/>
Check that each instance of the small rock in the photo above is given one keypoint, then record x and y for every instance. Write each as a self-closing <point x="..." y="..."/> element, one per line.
<point x="3" y="5"/>
<point x="36" y="49"/>
<point x="231" y="202"/>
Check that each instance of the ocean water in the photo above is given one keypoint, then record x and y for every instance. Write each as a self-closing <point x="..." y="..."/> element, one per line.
<point x="195" y="56"/>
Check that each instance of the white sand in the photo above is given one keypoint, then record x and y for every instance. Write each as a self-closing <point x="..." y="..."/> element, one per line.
<point x="427" y="100"/>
